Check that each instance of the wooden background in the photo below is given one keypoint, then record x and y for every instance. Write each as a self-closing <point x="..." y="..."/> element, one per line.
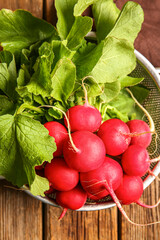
<point x="24" y="218"/>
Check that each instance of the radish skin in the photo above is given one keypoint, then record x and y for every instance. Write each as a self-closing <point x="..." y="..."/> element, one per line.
<point x="60" y="175"/>
<point x="91" y="152"/>
<point x="73" y="199"/>
<point x="94" y="181"/>
<point x="111" y="133"/>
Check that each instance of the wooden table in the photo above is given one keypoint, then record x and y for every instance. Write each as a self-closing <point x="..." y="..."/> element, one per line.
<point x="24" y="218"/>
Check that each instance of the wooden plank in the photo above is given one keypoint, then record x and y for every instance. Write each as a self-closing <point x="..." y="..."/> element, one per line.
<point x="50" y="11"/>
<point x="141" y="215"/>
<point x="34" y="6"/>
<point x="97" y="225"/>
<point x="20" y="215"/>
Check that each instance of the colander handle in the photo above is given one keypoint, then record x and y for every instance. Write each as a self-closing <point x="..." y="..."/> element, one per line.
<point x="158" y="69"/>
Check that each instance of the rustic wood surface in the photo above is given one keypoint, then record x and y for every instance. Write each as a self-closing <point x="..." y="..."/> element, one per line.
<point x="24" y="218"/>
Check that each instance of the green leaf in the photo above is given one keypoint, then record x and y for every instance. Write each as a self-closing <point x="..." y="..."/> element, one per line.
<point x="20" y="29"/>
<point x="105" y="14"/>
<point x="39" y="186"/>
<point x="117" y="59"/>
<point x="6" y="106"/>
<point x="109" y="112"/>
<point x="129" y="22"/>
<point x="81" y="26"/>
<point x="40" y="83"/>
<point x="24" y="144"/>
<point x="82" y="5"/>
<point x="21" y="88"/>
<point x="63" y="80"/>
<point x="140" y="92"/>
<point x="55" y="113"/>
<point x="61" y="50"/>
<point x="111" y="90"/>
<point x="8" y="74"/>
<point x="65" y="16"/>
<point x="128" y="81"/>
<point x="86" y="58"/>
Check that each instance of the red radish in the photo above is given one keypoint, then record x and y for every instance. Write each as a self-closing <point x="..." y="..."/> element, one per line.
<point x="60" y="175"/>
<point x="136" y="127"/>
<point x="84" y="117"/>
<point x="90" y="152"/>
<point x="135" y="161"/>
<point x="94" y="182"/>
<point x="130" y="190"/>
<point x="73" y="199"/>
<point x="111" y="132"/>
<point x="59" y="132"/>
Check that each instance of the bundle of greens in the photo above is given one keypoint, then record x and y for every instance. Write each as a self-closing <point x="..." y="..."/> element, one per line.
<point x="43" y="65"/>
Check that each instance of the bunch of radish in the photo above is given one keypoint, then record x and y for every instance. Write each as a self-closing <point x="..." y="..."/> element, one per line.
<point x="83" y="165"/>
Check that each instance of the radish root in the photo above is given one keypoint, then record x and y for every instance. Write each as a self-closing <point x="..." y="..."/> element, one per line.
<point x="116" y="200"/>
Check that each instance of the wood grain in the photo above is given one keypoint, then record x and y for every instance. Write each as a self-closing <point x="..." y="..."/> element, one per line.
<point x="50" y="11"/>
<point x="35" y="6"/>
<point x="20" y="215"/>
<point x="95" y="225"/>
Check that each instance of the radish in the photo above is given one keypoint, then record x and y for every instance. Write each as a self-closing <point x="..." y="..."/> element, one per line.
<point x="83" y="117"/>
<point x="94" y="182"/>
<point x="111" y="132"/>
<point x="60" y="175"/>
<point x="135" y="161"/>
<point x="137" y="127"/>
<point x="130" y="191"/>
<point x="73" y="199"/>
<point x="59" y="132"/>
<point x="89" y="153"/>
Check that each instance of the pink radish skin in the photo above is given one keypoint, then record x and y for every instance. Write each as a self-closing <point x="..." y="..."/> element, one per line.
<point x="73" y="199"/>
<point x="91" y="151"/>
<point x="135" y="161"/>
<point x="139" y="126"/>
<point x="59" y="132"/>
<point x="60" y="175"/>
<point x="94" y="182"/>
<point x="111" y="132"/>
<point x="130" y="191"/>
<point x="84" y="117"/>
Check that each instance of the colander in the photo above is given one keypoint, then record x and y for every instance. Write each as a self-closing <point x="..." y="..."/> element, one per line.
<point x="152" y="104"/>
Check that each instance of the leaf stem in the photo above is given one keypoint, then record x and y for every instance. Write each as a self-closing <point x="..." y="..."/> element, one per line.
<point x="27" y="106"/>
